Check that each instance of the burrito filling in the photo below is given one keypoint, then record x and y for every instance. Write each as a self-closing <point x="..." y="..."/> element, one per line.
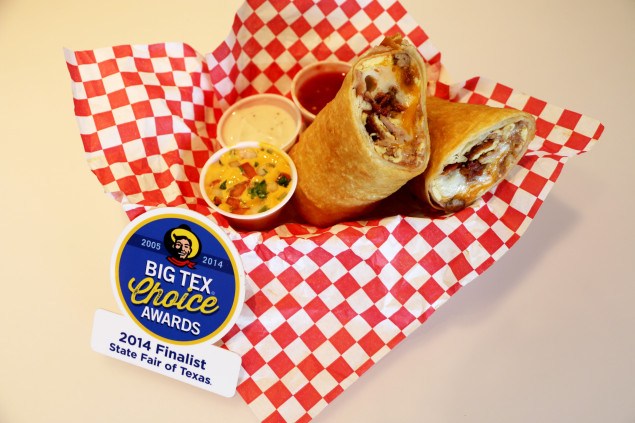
<point x="388" y="89"/>
<point x="475" y="171"/>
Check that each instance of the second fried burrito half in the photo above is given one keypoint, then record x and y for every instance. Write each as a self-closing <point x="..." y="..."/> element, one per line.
<point x="473" y="148"/>
<point x="369" y="140"/>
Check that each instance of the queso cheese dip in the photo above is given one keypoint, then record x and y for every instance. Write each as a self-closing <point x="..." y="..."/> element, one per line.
<point x="248" y="180"/>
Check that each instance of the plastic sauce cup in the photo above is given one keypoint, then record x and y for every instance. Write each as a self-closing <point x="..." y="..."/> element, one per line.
<point x="268" y="118"/>
<point x="257" y="221"/>
<point x="315" y="85"/>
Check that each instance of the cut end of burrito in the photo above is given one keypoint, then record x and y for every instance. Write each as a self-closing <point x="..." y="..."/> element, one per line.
<point x="389" y="86"/>
<point x="474" y="147"/>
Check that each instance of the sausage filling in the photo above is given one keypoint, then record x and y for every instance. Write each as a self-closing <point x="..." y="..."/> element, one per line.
<point x="479" y="168"/>
<point x="388" y="89"/>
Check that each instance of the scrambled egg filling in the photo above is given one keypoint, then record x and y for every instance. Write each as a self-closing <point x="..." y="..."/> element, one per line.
<point x="389" y="91"/>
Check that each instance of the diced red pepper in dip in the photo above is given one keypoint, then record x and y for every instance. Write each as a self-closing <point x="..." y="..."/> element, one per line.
<point x="249" y="170"/>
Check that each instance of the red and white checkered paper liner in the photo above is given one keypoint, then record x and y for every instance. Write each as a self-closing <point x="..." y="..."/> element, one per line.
<point x="322" y="305"/>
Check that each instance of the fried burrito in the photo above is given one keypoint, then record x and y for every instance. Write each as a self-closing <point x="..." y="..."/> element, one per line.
<point x="369" y="140"/>
<point x="473" y="148"/>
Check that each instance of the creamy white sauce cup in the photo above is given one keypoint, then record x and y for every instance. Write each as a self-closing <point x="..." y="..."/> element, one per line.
<point x="251" y="222"/>
<point x="269" y="118"/>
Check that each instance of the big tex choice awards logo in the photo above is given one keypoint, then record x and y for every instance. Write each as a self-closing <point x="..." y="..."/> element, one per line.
<point x="178" y="276"/>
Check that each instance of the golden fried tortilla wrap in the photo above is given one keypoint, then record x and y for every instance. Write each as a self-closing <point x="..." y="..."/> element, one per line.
<point x="473" y="148"/>
<point x="368" y="141"/>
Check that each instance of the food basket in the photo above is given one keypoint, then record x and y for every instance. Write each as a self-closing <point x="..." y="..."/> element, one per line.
<point x="323" y="305"/>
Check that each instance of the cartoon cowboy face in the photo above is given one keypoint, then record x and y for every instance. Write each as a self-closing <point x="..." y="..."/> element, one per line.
<point x="182" y="247"/>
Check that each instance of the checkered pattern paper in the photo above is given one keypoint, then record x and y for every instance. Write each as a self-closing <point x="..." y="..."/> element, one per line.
<point x="322" y="305"/>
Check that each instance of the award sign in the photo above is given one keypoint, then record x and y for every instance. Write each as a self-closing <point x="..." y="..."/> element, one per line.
<point x="179" y="282"/>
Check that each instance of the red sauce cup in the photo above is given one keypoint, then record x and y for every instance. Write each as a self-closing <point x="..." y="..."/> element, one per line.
<point x="315" y="85"/>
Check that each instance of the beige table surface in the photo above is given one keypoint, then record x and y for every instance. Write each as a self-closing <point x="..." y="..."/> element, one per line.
<point x="547" y="334"/>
